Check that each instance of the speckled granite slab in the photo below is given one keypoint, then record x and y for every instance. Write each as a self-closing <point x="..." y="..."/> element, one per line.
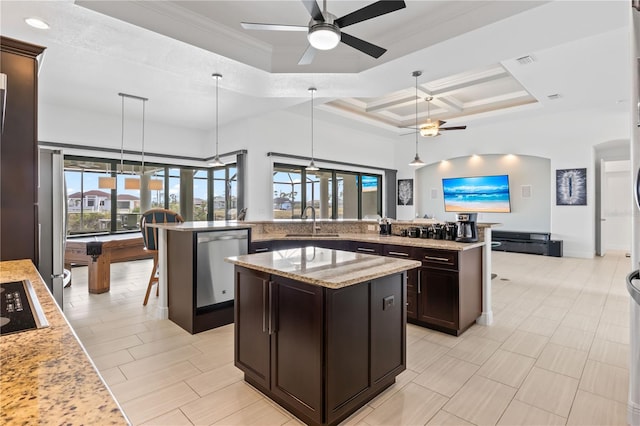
<point x="324" y="267"/>
<point x="379" y="239"/>
<point x="201" y="225"/>
<point x="46" y="375"/>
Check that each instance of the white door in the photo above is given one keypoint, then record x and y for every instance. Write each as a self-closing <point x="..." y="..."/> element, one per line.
<point x="617" y="200"/>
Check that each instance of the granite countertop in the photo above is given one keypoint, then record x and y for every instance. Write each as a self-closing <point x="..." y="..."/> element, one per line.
<point x="324" y="267"/>
<point x="379" y="239"/>
<point x="220" y="225"/>
<point x="47" y="377"/>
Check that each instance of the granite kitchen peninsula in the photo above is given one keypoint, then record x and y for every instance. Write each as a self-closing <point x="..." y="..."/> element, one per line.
<point x="449" y="292"/>
<point x="320" y="331"/>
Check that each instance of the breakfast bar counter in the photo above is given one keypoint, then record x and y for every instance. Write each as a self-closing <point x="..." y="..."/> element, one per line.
<point x="47" y="377"/>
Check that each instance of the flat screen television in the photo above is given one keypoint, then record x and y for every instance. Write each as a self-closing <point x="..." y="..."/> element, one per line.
<point x="484" y="194"/>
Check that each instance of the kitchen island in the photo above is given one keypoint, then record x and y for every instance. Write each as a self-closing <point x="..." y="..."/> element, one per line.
<point x="320" y="331"/>
<point x="47" y="377"/>
<point x="195" y="285"/>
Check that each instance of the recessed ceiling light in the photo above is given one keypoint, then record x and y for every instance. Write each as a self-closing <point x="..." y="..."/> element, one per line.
<point x="37" y="23"/>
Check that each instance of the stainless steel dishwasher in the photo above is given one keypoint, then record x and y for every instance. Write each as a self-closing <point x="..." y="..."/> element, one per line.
<point x="633" y="285"/>
<point x="215" y="276"/>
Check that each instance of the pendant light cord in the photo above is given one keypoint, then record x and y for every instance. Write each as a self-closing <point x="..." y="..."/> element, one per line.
<point x="144" y="102"/>
<point x="312" y="90"/>
<point x="416" y="74"/>
<point x="217" y="83"/>
<point x="122" y="137"/>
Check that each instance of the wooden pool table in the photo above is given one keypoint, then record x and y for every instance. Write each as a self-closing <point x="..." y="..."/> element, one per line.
<point x="115" y="248"/>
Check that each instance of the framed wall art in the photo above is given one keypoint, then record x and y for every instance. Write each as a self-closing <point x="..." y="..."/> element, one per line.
<point x="571" y="187"/>
<point x="405" y="192"/>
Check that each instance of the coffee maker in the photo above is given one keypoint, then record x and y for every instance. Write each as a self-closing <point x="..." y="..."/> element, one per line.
<point x="467" y="227"/>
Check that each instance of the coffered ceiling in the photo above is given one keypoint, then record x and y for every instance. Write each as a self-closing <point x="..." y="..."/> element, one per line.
<point x="467" y="50"/>
<point x="473" y="92"/>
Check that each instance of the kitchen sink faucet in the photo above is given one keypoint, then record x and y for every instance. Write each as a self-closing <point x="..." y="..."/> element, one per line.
<point x="313" y="216"/>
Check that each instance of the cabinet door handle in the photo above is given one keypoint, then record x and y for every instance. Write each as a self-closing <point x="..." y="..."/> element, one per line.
<point x="264" y="306"/>
<point x="260" y="250"/>
<point x="398" y="253"/>
<point x="270" y="307"/>
<point x="439" y="259"/>
<point x="419" y="285"/>
<point x="368" y="250"/>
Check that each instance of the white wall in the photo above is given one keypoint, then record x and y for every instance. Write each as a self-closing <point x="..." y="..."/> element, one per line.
<point x="289" y="133"/>
<point x="566" y="139"/>
<point x="527" y="214"/>
<point x="85" y="128"/>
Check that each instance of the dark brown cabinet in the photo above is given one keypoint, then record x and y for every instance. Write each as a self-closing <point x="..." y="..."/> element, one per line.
<point x="19" y="152"/>
<point x="449" y="291"/>
<point x="405" y="252"/>
<point x="321" y="353"/>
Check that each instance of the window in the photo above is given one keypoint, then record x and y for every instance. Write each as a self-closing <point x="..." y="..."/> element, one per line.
<point x="225" y="192"/>
<point x="334" y="194"/>
<point x="92" y="209"/>
<point x="287" y="192"/>
<point x="200" y="195"/>
<point x="89" y="208"/>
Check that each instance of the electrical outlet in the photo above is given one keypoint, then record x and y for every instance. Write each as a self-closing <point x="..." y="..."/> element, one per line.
<point x="371" y="227"/>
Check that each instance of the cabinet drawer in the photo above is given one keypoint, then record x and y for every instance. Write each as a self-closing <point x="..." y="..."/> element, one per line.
<point x="260" y="246"/>
<point x="402" y="252"/>
<point x="446" y="259"/>
<point x="366" y="248"/>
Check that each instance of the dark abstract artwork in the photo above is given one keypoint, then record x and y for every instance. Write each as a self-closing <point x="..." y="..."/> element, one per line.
<point x="571" y="187"/>
<point x="405" y="192"/>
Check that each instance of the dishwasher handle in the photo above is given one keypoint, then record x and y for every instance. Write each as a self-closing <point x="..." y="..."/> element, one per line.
<point x="205" y="238"/>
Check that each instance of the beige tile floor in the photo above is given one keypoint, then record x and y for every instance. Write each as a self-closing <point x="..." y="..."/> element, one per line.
<point x="556" y="354"/>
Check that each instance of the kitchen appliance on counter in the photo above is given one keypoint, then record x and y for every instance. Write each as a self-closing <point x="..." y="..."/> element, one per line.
<point x="385" y="227"/>
<point x="19" y="308"/>
<point x="467" y="231"/>
<point x="633" y="408"/>
<point x="450" y="231"/>
<point x="413" y="232"/>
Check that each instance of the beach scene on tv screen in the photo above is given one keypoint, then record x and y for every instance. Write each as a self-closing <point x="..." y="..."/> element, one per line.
<point x="488" y="194"/>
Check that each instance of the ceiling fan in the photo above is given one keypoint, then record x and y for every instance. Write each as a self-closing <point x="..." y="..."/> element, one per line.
<point x="433" y="128"/>
<point x="324" y="29"/>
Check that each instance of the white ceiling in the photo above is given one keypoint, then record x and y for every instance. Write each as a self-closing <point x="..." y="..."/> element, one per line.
<point x="167" y="50"/>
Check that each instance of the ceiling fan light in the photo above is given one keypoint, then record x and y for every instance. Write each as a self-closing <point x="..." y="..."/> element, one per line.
<point x="324" y="36"/>
<point x="417" y="162"/>
<point x="428" y="130"/>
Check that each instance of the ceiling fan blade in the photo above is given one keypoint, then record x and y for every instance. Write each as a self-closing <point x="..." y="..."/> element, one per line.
<point x="272" y="27"/>
<point x="307" y="56"/>
<point x="375" y="9"/>
<point x="453" y="128"/>
<point x="314" y="10"/>
<point x="361" y="45"/>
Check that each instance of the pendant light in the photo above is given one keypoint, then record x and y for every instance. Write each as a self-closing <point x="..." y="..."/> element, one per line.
<point x="216" y="160"/>
<point x="312" y="166"/>
<point x="417" y="162"/>
<point x="132" y="183"/>
<point x="107" y="182"/>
